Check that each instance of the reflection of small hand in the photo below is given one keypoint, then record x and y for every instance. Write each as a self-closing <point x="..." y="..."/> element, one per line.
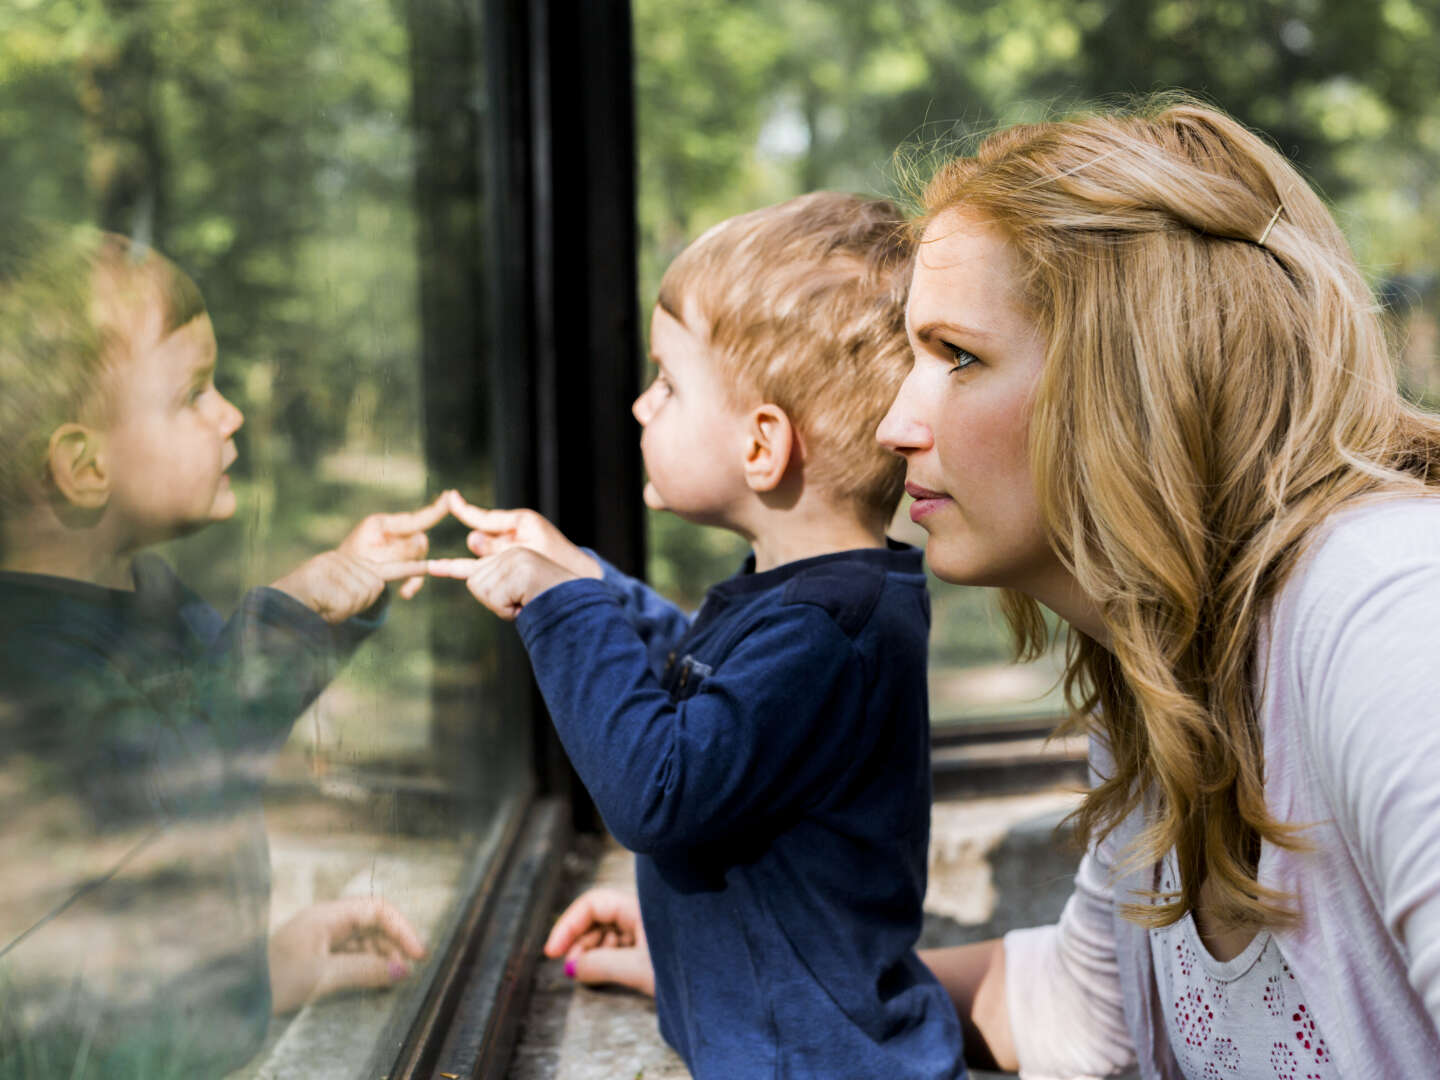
<point x="350" y="944"/>
<point x="506" y="582"/>
<point x="389" y="538"/>
<point x="336" y="585"/>
<point x="500" y="530"/>
<point x="603" y="941"/>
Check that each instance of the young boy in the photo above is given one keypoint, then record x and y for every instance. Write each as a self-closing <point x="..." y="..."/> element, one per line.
<point x="138" y="721"/>
<point x="768" y="761"/>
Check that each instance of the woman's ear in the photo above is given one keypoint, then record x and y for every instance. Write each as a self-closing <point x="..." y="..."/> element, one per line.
<point x="78" y="466"/>
<point x="770" y="444"/>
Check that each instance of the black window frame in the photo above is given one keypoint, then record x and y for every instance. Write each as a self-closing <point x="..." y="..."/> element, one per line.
<point x="544" y="284"/>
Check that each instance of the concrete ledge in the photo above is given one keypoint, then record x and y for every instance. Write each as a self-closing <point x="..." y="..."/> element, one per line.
<point x="575" y="1032"/>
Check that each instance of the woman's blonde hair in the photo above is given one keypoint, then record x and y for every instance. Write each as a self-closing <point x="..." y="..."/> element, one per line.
<point x="1217" y="383"/>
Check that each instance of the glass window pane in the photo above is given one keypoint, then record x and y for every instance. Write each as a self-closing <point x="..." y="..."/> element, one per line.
<point x="223" y="803"/>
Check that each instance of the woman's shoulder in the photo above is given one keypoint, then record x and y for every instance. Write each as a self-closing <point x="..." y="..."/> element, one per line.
<point x="1390" y="521"/>
<point x="1366" y="584"/>
<point x="1368" y="544"/>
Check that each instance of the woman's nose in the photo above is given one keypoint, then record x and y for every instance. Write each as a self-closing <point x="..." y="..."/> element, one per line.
<point x="901" y="431"/>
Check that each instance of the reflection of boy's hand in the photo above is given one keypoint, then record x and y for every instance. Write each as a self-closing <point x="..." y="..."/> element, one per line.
<point x="351" y="944"/>
<point x="499" y="530"/>
<point x="603" y="941"/>
<point x="336" y="585"/>
<point x="506" y="582"/>
<point x="388" y="538"/>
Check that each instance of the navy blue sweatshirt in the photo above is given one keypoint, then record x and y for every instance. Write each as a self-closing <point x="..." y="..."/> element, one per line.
<point x="145" y="718"/>
<point x="769" y="764"/>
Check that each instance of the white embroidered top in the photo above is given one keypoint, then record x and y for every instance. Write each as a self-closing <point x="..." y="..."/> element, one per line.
<point x="1237" y="1019"/>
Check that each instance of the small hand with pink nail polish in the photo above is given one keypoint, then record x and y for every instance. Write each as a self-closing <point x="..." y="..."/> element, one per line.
<point x="354" y="943"/>
<point x="603" y="941"/>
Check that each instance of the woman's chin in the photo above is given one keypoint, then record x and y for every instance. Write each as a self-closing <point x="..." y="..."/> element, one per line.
<point x="958" y="567"/>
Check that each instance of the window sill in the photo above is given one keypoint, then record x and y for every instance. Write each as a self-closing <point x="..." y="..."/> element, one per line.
<point x="579" y="1033"/>
<point x="995" y="863"/>
<point x="430" y="882"/>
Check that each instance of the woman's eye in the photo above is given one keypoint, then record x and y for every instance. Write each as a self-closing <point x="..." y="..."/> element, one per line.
<point x="963" y="357"/>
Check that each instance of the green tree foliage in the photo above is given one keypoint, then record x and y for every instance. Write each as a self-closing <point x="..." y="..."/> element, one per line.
<point x="746" y="101"/>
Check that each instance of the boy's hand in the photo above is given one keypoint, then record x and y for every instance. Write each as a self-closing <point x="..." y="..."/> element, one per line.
<point x="603" y="941"/>
<point x="336" y="585"/>
<point x="388" y="538"/>
<point x="506" y="582"/>
<point x="350" y="944"/>
<point x="500" y="530"/>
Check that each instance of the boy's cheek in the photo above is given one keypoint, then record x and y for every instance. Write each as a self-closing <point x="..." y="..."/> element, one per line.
<point x="652" y="497"/>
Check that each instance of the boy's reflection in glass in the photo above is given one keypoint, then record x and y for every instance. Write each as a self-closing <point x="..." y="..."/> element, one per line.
<point x="137" y="721"/>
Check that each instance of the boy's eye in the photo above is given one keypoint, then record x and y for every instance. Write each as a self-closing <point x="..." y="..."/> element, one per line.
<point x="963" y="357"/>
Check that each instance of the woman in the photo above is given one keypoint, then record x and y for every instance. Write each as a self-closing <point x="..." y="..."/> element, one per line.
<point x="1151" y="393"/>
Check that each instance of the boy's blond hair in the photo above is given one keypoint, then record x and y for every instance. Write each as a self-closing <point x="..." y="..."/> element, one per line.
<point x="803" y="304"/>
<point x="63" y="294"/>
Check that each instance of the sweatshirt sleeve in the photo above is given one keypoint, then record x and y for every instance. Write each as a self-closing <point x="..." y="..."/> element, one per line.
<point x="659" y="623"/>
<point x="1370" y="686"/>
<point x="269" y="662"/>
<point x="747" y="745"/>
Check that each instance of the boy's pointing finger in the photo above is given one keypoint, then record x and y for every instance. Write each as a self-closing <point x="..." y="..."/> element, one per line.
<point x="398" y="571"/>
<point x="453" y="568"/>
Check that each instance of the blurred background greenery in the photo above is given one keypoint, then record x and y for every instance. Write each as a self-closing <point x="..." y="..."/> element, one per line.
<point x="267" y="147"/>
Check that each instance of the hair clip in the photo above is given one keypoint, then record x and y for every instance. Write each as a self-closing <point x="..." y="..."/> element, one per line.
<point x="1273" y="218"/>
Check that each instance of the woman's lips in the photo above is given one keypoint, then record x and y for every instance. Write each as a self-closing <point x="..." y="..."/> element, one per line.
<point x="926" y="501"/>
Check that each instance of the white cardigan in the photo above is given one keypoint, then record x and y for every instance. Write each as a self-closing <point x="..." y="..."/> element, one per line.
<point x="1350" y="718"/>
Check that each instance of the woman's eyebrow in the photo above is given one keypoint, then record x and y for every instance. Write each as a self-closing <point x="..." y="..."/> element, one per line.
<point x="926" y="331"/>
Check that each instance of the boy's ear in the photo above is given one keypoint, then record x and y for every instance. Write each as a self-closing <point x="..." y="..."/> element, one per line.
<point x="78" y="467"/>
<point x="770" y="443"/>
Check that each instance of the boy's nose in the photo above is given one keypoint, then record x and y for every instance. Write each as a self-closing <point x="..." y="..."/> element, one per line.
<point x="231" y="419"/>
<point x="641" y="408"/>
